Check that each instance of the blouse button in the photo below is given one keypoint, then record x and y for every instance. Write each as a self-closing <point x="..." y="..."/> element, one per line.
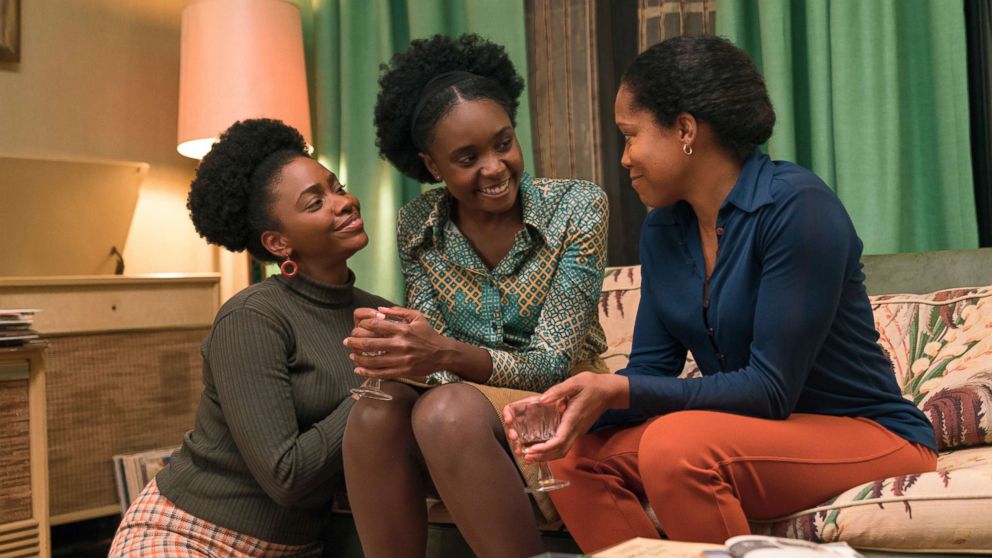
<point x="719" y="231"/>
<point x="711" y="332"/>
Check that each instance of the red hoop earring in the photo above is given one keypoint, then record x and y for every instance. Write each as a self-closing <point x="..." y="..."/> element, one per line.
<point x="289" y="268"/>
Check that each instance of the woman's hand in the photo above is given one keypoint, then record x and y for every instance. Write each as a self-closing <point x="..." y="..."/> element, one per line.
<point x="394" y="343"/>
<point x="586" y="396"/>
<point x="362" y="314"/>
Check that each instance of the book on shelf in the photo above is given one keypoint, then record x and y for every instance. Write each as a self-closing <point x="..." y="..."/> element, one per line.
<point x="744" y="546"/>
<point x="15" y="326"/>
<point x="133" y="471"/>
<point x="17" y="314"/>
<point x="11" y="332"/>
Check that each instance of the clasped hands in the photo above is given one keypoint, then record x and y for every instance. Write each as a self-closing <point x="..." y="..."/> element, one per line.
<point x="406" y="346"/>
<point x="585" y="396"/>
<point x="397" y="343"/>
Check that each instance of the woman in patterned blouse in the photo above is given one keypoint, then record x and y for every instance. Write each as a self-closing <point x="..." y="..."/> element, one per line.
<point x="502" y="272"/>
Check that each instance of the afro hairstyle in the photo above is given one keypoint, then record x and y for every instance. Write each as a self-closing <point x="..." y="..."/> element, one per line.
<point x="403" y="81"/>
<point x="230" y="197"/>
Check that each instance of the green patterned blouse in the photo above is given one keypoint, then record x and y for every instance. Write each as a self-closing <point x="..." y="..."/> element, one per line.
<point x="535" y="312"/>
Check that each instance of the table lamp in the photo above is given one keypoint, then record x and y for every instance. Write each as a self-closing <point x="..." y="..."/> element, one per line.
<point x="239" y="59"/>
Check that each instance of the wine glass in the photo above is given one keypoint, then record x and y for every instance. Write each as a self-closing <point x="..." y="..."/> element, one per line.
<point x="534" y="423"/>
<point x="372" y="387"/>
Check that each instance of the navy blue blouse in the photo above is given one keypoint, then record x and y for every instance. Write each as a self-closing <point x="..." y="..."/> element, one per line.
<point x="783" y="325"/>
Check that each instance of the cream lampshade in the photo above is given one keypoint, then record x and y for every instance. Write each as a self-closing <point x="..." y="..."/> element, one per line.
<point x="239" y="59"/>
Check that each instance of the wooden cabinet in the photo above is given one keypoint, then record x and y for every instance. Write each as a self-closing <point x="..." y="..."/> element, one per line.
<point x="114" y="393"/>
<point x="123" y="375"/>
<point x="23" y="453"/>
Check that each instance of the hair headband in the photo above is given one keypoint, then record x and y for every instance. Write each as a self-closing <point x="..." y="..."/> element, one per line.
<point x="436" y="84"/>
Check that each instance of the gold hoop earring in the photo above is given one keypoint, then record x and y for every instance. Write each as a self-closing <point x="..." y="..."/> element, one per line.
<point x="687" y="149"/>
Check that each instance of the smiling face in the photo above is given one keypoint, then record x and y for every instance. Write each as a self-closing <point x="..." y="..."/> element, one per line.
<point x="652" y="153"/>
<point x="319" y="221"/>
<point x="475" y="152"/>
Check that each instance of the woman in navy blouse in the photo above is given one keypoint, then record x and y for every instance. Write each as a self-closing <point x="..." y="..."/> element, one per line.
<point x="754" y="266"/>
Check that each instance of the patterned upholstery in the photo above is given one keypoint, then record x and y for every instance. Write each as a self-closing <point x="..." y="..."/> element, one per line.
<point x="941" y="349"/>
<point x="617" y="308"/>
<point x="949" y="510"/>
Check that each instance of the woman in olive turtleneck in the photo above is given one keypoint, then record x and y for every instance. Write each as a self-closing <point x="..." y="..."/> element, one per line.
<point x="255" y="475"/>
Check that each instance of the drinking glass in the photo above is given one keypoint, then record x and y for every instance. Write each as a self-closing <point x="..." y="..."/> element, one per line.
<point x="372" y="387"/>
<point x="534" y="423"/>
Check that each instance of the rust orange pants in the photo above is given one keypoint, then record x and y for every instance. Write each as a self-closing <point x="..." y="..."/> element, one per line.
<point x="704" y="473"/>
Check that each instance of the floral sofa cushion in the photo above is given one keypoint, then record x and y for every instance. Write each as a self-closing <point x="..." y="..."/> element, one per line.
<point x="949" y="510"/>
<point x="940" y="345"/>
<point x="617" y="308"/>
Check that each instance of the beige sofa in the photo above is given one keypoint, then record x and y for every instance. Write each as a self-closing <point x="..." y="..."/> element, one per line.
<point x="940" y="343"/>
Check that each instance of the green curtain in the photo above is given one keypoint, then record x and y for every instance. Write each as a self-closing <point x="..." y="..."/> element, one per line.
<point x="346" y="41"/>
<point x="872" y="95"/>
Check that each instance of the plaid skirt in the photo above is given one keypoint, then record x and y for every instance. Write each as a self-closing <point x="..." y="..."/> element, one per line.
<point x="154" y="527"/>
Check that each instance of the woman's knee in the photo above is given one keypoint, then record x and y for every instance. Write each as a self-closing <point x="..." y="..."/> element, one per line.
<point x="453" y="415"/>
<point x="382" y="420"/>
<point x="674" y="442"/>
<point x="677" y="446"/>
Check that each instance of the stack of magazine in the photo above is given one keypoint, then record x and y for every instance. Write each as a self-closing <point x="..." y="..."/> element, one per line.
<point x="132" y="472"/>
<point x="15" y="326"/>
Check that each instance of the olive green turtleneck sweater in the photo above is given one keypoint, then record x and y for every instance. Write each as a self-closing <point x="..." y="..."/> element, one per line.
<point x="265" y="453"/>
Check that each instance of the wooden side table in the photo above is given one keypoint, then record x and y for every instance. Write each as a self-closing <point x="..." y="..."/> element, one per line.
<point x="24" y="529"/>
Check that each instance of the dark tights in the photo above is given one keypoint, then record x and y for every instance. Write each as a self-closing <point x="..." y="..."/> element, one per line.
<point x="447" y="439"/>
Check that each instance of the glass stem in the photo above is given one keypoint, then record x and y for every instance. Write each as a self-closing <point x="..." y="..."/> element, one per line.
<point x="544" y="474"/>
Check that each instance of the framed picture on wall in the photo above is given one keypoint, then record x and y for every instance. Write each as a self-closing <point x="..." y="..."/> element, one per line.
<point x="10" y="32"/>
